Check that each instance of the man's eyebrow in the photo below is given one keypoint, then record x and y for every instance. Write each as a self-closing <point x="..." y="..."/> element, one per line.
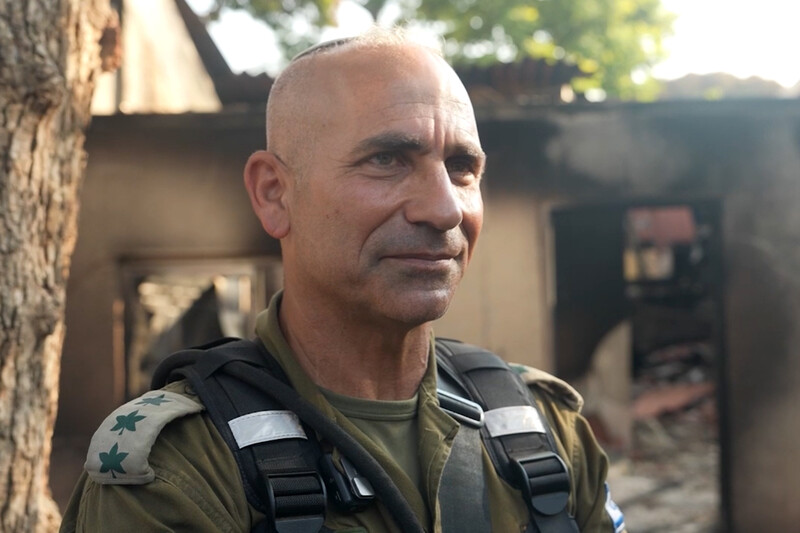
<point x="390" y="142"/>
<point x="400" y="142"/>
<point x="469" y="150"/>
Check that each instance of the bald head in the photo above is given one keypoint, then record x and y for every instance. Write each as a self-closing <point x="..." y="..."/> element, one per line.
<point x="303" y="92"/>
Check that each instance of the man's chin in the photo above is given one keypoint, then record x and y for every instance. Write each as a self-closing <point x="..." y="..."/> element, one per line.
<point x="419" y="307"/>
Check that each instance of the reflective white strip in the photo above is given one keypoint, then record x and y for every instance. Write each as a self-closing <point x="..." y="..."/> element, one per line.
<point x="265" y="426"/>
<point x="513" y="420"/>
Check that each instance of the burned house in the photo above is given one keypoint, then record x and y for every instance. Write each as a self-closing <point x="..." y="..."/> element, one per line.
<point x="645" y="227"/>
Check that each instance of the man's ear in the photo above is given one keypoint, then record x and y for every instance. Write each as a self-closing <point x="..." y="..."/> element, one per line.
<point x="266" y="180"/>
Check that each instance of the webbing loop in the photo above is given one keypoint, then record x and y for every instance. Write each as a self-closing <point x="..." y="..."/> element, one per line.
<point x="545" y="482"/>
<point x="297" y="502"/>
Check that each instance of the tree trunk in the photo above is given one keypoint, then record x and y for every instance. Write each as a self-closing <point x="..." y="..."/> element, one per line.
<point x="49" y="57"/>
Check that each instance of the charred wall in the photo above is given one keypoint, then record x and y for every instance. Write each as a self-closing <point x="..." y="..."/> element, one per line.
<point x="746" y="156"/>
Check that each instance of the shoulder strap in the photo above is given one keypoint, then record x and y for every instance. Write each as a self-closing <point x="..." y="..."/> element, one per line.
<point x="515" y="434"/>
<point x="120" y="448"/>
<point x="276" y="459"/>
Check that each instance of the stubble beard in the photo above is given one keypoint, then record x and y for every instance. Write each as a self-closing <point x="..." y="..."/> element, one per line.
<point x="414" y="294"/>
<point x="413" y="298"/>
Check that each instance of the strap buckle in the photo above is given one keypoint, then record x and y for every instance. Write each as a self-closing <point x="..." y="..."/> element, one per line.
<point x="545" y="482"/>
<point x="297" y="502"/>
<point x="464" y="410"/>
<point x="349" y="490"/>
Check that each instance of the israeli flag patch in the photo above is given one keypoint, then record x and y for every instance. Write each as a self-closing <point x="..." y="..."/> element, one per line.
<point x="614" y="512"/>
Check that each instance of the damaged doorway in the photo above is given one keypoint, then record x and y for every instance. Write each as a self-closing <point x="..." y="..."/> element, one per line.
<point x="638" y="326"/>
<point x="170" y="305"/>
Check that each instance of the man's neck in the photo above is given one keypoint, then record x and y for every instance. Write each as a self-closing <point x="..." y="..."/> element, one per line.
<point x="355" y="359"/>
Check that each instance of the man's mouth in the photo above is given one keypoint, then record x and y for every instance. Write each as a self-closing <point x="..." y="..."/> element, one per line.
<point x="424" y="256"/>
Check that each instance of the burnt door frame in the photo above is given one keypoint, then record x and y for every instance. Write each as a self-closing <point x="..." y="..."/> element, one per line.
<point x="711" y="210"/>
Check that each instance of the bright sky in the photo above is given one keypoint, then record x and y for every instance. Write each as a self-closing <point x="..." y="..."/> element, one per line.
<point x="742" y="37"/>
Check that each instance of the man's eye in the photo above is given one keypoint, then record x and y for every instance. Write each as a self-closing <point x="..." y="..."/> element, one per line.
<point x="459" y="167"/>
<point x="383" y="159"/>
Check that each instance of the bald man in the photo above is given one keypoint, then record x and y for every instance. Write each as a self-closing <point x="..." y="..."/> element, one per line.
<point x="371" y="183"/>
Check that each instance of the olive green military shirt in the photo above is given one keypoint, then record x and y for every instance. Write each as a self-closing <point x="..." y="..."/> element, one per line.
<point x="189" y="481"/>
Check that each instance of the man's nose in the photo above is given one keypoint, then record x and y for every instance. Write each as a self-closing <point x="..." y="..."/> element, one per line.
<point x="435" y="201"/>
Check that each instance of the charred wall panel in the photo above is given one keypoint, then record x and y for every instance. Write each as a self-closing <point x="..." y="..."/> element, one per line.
<point x="745" y="155"/>
<point x="166" y="187"/>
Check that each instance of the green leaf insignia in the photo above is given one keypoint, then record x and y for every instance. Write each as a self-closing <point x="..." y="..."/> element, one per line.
<point x="112" y="461"/>
<point x="156" y="400"/>
<point x="128" y="422"/>
<point x="519" y="369"/>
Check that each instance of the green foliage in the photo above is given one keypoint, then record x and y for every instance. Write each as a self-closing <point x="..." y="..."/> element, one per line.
<point x="613" y="41"/>
<point x="608" y="39"/>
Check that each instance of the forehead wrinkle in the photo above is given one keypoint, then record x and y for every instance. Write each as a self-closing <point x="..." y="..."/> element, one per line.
<point x="460" y="107"/>
<point x="461" y="119"/>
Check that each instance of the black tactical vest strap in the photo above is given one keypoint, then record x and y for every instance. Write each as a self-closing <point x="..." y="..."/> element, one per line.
<point x="463" y="493"/>
<point x="281" y="478"/>
<point x="526" y="460"/>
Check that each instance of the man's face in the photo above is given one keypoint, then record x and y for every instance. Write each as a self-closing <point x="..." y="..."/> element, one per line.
<point x="385" y="216"/>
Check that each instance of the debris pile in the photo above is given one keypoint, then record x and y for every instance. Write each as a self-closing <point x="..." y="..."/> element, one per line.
<point x="670" y="479"/>
<point x="674" y="379"/>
